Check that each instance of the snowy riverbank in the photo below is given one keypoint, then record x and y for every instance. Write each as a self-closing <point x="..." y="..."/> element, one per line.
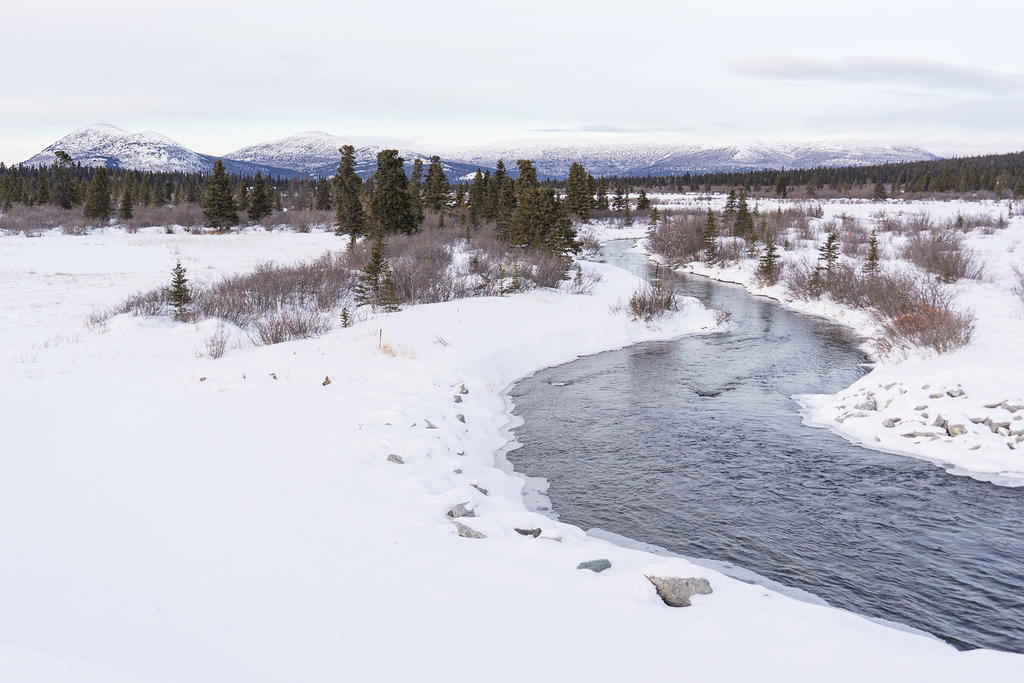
<point x="168" y="517"/>
<point x="962" y="410"/>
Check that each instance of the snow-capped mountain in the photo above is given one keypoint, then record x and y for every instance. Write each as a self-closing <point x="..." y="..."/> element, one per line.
<point x="316" y="153"/>
<point x="104" y="145"/>
<point x="666" y="159"/>
<point x="101" y="144"/>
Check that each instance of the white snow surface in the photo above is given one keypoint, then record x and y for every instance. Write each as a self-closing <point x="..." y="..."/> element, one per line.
<point x="168" y="517"/>
<point x="915" y="388"/>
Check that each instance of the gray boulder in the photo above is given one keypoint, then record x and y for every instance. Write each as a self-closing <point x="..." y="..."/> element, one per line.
<point x="467" y="531"/>
<point x="596" y="566"/>
<point x="397" y="459"/>
<point x="462" y="510"/>
<point x="676" y="592"/>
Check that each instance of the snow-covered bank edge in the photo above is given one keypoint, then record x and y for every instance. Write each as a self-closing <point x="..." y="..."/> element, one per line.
<point x="894" y="387"/>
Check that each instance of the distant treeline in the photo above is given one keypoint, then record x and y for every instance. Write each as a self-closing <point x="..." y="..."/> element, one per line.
<point x="1002" y="174"/>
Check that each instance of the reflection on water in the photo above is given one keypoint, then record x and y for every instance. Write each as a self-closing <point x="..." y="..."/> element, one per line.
<point x="695" y="445"/>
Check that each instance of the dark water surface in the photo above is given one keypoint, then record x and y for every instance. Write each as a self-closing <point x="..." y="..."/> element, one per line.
<point x="696" y="446"/>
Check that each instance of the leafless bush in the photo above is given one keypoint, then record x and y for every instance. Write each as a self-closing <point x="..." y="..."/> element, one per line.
<point x="74" y="229"/>
<point x="650" y="302"/>
<point x="32" y="220"/>
<point x="1019" y="289"/>
<point x="936" y="327"/>
<point x="301" y="220"/>
<point x="968" y="222"/>
<point x="217" y="342"/>
<point x="288" y="325"/>
<point x="677" y="238"/>
<point x="943" y="254"/>
<point x="185" y="215"/>
<point x="584" y="282"/>
<point x="589" y="241"/>
<point x="421" y="270"/>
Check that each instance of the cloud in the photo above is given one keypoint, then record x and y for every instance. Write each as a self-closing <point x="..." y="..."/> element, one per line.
<point x="908" y="73"/>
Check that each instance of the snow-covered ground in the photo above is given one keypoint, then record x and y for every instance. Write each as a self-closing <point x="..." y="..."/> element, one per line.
<point x="168" y="517"/>
<point x="901" y="404"/>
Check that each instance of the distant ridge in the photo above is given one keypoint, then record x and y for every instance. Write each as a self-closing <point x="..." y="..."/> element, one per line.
<point x="316" y="153"/>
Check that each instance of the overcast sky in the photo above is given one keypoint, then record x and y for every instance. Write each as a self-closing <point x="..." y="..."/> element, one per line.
<point x="216" y="76"/>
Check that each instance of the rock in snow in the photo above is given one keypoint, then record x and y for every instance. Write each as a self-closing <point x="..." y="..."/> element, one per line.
<point x="596" y="566"/>
<point x="676" y="592"/>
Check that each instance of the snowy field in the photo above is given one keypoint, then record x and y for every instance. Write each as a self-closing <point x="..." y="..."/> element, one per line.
<point x="900" y="405"/>
<point x="168" y="517"/>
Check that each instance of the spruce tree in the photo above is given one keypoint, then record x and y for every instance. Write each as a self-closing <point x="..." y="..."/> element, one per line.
<point x="781" y="186"/>
<point x="602" y="195"/>
<point x="477" y="198"/>
<point x="42" y="189"/>
<point x="828" y="252"/>
<point x="540" y="222"/>
<point x="527" y="179"/>
<point x="627" y="217"/>
<point x="872" y="264"/>
<point x="619" y="200"/>
<point x="259" y="200"/>
<point x="348" y="206"/>
<point x="64" y="195"/>
<point x="880" y="191"/>
<point x="730" y="205"/>
<point x="376" y="287"/>
<point x="709" y="239"/>
<point x="642" y="201"/>
<point x="218" y="204"/>
<point x="391" y="203"/>
<point x="97" y="199"/>
<point x="178" y="293"/>
<point x="192" y="194"/>
<point x="768" y="266"/>
<point x="125" y="211"/>
<point x="415" y="190"/>
<point x="436" y="188"/>
<point x="578" y="197"/>
<point x="744" y="224"/>
<point x="322" y="195"/>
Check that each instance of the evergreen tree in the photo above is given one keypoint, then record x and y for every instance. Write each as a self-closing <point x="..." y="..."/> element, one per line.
<point x="477" y="198"/>
<point x="391" y="202"/>
<point x="619" y="200"/>
<point x="578" y="197"/>
<point x="348" y="206"/>
<point x="42" y="189"/>
<point x="65" y="189"/>
<point x="642" y="201"/>
<point x="435" y="191"/>
<point x="259" y="201"/>
<point x="655" y="216"/>
<point x="730" y="205"/>
<point x="376" y="287"/>
<point x="157" y="193"/>
<point x="242" y="194"/>
<point x="744" y="224"/>
<point x="415" y="190"/>
<point x="218" y="204"/>
<point x="781" y="186"/>
<point x="627" y="217"/>
<point x="540" y="222"/>
<point x="322" y="195"/>
<point x="768" y="266"/>
<point x="527" y="179"/>
<point x="872" y="264"/>
<point x="125" y="211"/>
<point x="880" y="191"/>
<point x="709" y="239"/>
<point x="828" y="252"/>
<point x="178" y="293"/>
<point x="192" y="194"/>
<point x="97" y="199"/>
<point x="602" y="195"/>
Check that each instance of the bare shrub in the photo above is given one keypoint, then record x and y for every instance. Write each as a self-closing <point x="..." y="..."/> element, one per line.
<point x="584" y="282"/>
<point x="301" y="220"/>
<point x="288" y="325"/>
<point x="967" y="222"/>
<point x="937" y="327"/>
<point x="185" y="215"/>
<point x="32" y="220"/>
<point x="217" y="342"/>
<point x="943" y="254"/>
<point x="1019" y="289"/>
<point x="650" y="302"/>
<point x="589" y="242"/>
<point x="421" y="270"/>
<point x="677" y="238"/>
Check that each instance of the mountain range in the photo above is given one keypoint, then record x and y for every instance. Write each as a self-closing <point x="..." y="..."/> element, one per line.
<point x="316" y="154"/>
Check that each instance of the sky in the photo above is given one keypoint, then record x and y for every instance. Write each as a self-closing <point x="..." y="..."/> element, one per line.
<point x="216" y="76"/>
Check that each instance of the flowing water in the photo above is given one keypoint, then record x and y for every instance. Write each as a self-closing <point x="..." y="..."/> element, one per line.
<point x="696" y="445"/>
